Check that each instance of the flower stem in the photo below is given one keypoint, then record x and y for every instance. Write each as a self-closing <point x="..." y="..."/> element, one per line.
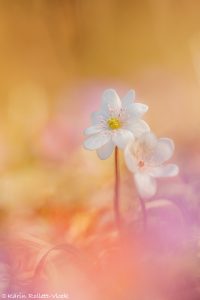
<point x="116" y="190"/>
<point x="144" y="213"/>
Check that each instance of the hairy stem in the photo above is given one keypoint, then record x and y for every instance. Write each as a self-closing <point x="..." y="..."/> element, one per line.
<point x="116" y="190"/>
<point x="144" y="212"/>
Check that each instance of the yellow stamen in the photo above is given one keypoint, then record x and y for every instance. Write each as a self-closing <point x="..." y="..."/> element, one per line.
<point x="114" y="123"/>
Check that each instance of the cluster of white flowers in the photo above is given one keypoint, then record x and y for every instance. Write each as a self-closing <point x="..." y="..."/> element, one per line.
<point x="119" y="124"/>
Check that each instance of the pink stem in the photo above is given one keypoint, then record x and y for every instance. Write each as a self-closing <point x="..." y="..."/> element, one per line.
<point x="116" y="191"/>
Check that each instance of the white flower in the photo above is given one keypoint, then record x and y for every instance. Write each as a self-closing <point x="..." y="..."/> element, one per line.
<point x="115" y="124"/>
<point x="146" y="157"/>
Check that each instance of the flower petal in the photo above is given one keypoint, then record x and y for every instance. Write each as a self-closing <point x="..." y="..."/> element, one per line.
<point x="111" y="102"/>
<point x="121" y="138"/>
<point x="163" y="151"/>
<point x="98" y="116"/>
<point x="130" y="159"/>
<point x="138" y="127"/>
<point x="96" y="141"/>
<point x="145" y="184"/>
<point x="168" y="170"/>
<point x="137" y="110"/>
<point x="105" y="151"/>
<point x="128" y="99"/>
<point x="92" y="130"/>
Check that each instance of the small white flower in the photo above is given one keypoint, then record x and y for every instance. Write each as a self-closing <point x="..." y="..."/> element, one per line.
<point x="145" y="158"/>
<point x="115" y="124"/>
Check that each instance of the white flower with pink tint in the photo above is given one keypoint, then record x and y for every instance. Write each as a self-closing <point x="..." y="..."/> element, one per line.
<point x="115" y="124"/>
<point x="145" y="157"/>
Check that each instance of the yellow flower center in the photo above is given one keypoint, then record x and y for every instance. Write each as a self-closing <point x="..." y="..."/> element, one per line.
<point x="114" y="123"/>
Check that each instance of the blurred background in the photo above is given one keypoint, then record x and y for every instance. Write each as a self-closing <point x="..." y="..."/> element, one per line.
<point x="56" y="59"/>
